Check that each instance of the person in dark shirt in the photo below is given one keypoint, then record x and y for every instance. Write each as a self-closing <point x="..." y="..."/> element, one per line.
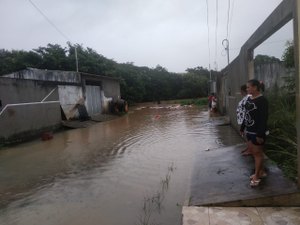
<point x="254" y="126"/>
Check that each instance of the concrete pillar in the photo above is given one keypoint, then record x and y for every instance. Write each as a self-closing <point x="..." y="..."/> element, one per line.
<point x="250" y="64"/>
<point x="297" y="63"/>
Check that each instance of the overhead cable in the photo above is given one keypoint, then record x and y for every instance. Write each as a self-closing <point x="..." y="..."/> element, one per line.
<point x="216" y="33"/>
<point x="231" y="16"/>
<point x="49" y="21"/>
<point x="56" y="28"/>
<point x="228" y="13"/>
<point x="207" y="22"/>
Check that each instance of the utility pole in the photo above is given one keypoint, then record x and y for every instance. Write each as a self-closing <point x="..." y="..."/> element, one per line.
<point x="76" y="58"/>
<point x="225" y="44"/>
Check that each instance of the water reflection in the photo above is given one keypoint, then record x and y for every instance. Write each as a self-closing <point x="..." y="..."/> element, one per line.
<point x="103" y="173"/>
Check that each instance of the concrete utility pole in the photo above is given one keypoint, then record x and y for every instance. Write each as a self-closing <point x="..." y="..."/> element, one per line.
<point x="76" y="59"/>
<point x="297" y="63"/>
<point x="225" y="44"/>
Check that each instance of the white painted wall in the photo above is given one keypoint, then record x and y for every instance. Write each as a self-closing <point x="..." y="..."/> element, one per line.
<point x="69" y="96"/>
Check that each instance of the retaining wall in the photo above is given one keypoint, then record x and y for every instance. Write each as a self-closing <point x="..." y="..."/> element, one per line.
<point x="20" y="122"/>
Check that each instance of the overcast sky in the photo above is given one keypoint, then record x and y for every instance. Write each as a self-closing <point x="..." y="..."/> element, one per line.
<point x="171" y="33"/>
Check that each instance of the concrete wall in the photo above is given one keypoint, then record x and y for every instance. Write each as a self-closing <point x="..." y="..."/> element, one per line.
<point x="20" y="122"/>
<point x="273" y="74"/>
<point x="109" y="88"/>
<point x="69" y="96"/>
<point x="23" y="91"/>
<point x="110" y="85"/>
<point x="46" y="75"/>
<point x="240" y="70"/>
<point x="22" y="114"/>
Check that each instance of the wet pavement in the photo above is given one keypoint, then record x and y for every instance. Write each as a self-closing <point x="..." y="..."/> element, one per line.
<point x="221" y="177"/>
<point x="220" y="193"/>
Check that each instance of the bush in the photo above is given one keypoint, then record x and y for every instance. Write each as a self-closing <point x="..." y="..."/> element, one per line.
<point x="281" y="145"/>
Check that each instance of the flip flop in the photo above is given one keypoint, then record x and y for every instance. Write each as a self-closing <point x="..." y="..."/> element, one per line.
<point x="255" y="183"/>
<point x="262" y="176"/>
<point x="246" y="153"/>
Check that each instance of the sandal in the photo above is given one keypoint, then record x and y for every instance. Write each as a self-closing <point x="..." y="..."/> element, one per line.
<point x="246" y="153"/>
<point x="255" y="183"/>
<point x="264" y="175"/>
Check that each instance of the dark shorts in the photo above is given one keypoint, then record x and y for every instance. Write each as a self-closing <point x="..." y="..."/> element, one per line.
<point x="252" y="138"/>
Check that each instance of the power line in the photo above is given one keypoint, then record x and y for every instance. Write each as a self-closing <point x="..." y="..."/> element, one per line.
<point x="216" y="33"/>
<point x="228" y="13"/>
<point x="207" y="22"/>
<point x="56" y="28"/>
<point x="231" y="16"/>
<point x="49" y="21"/>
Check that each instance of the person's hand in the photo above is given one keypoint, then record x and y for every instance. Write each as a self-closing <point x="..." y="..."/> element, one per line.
<point x="242" y="133"/>
<point x="259" y="140"/>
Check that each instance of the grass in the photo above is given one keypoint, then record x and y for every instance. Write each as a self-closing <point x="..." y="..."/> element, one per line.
<point x="281" y="145"/>
<point x="153" y="204"/>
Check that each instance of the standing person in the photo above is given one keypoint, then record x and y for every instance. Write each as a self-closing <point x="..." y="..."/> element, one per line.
<point x="210" y="99"/>
<point x="255" y="127"/>
<point x="213" y="104"/>
<point x="240" y="112"/>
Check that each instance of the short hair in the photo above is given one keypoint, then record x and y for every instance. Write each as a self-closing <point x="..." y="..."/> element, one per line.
<point x="244" y="88"/>
<point x="259" y="84"/>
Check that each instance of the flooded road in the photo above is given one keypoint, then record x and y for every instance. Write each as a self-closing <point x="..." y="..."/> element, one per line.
<point x="133" y="170"/>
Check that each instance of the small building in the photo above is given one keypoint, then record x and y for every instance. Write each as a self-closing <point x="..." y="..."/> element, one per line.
<point x="34" y="100"/>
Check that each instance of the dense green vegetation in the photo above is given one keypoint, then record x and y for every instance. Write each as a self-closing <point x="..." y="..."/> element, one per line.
<point x="138" y="84"/>
<point x="265" y="59"/>
<point x="281" y="145"/>
<point x="282" y="142"/>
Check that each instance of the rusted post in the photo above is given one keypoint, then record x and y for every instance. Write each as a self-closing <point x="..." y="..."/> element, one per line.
<point x="297" y="63"/>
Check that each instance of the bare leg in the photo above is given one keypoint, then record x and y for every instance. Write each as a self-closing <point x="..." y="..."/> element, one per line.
<point x="257" y="151"/>
<point x="247" y="151"/>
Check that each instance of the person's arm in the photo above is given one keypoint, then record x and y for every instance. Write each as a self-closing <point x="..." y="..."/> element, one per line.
<point x="262" y="117"/>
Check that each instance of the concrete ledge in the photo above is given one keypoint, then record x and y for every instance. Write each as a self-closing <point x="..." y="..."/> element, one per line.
<point x="221" y="178"/>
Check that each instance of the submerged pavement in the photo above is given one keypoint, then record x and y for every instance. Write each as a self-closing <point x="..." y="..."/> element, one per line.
<point x="220" y="191"/>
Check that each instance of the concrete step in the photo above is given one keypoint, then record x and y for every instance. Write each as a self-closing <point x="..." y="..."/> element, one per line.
<point x="193" y="215"/>
<point x="221" y="178"/>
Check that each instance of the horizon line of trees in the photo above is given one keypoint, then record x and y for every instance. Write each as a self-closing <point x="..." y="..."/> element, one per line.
<point x="138" y="84"/>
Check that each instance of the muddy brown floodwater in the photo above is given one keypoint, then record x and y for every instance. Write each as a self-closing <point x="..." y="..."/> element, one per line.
<point x="133" y="170"/>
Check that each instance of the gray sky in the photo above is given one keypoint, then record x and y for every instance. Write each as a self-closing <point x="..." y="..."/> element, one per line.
<point x="171" y="33"/>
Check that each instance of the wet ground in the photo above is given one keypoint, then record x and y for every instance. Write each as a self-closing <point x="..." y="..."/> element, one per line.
<point x="131" y="170"/>
<point x="221" y="178"/>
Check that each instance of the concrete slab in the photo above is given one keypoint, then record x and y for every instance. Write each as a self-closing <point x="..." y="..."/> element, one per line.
<point x="221" y="176"/>
<point x="240" y="215"/>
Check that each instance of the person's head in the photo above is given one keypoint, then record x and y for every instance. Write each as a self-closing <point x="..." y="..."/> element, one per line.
<point x="255" y="87"/>
<point x="244" y="90"/>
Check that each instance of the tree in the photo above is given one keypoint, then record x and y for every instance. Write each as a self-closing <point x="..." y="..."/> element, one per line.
<point x="53" y="57"/>
<point x="265" y="59"/>
<point x="137" y="84"/>
<point x="288" y="55"/>
<point x="15" y="60"/>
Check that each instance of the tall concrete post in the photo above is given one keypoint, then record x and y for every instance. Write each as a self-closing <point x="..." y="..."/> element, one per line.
<point x="250" y="59"/>
<point x="297" y="63"/>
